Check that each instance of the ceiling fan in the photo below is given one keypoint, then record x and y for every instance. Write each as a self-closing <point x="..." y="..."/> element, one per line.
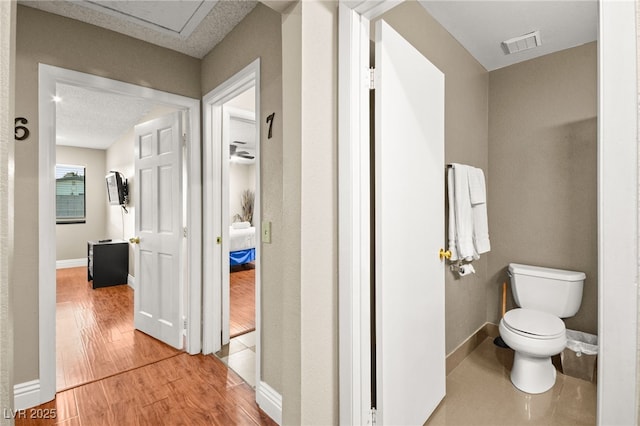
<point x="233" y="151"/>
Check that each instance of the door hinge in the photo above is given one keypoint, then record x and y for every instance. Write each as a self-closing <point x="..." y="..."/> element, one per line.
<point x="372" y="78"/>
<point x="184" y="232"/>
<point x="184" y="139"/>
<point x="184" y="323"/>
<point x="372" y="417"/>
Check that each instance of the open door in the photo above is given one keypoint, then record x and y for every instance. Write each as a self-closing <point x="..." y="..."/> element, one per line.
<point x="238" y="174"/>
<point x="409" y="230"/>
<point x="158" y="227"/>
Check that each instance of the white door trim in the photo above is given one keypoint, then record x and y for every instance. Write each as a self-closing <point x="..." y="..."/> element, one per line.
<point x="617" y="213"/>
<point x="354" y="209"/>
<point x="49" y="76"/>
<point x="212" y="163"/>
<point x="617" y="56"/>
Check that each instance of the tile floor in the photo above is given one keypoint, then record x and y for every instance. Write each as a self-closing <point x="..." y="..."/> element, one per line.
<point x="240" y="356"/>
<point x="479" y="392"/>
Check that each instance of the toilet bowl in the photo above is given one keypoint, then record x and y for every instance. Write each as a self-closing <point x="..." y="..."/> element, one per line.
<point x="534" y="336"/>
<point x="535" y="330"/>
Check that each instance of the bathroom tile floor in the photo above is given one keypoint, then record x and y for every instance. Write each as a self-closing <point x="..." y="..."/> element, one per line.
<point x="479" y="392"/>
<point x="240" y="356"/>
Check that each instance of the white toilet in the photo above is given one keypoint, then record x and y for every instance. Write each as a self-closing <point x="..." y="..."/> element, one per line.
<point x="535" y="331"/>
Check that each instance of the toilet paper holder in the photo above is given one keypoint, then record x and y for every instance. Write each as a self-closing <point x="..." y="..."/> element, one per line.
<point x="462" y="269"/>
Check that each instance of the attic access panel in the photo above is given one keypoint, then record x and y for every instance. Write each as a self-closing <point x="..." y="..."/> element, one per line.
<point x="170" y="17"/>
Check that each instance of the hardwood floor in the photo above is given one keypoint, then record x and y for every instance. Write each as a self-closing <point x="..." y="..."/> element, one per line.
<point x="183" y="389"/>
<point x="95" y="337"/>
<point x="110" y="374"/>
<point x="242" y="315"/>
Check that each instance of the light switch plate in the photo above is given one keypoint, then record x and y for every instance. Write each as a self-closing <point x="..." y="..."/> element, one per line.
<point x="266" y="232"/>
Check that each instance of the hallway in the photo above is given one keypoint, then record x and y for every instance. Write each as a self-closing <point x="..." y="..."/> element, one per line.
<point x="108" y="373"/>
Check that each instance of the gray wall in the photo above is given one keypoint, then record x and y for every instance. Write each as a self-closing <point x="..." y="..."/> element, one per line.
<point x="71" y="239"/>
<point x="120" y="225"/>
<point x="542" y="174"/>
<point x="50" y="39"/>
<point x="259" y="36"/>
<point x="466" y="141"/>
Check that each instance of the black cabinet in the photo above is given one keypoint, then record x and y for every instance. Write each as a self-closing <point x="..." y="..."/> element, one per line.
<point x="108" y="262"/>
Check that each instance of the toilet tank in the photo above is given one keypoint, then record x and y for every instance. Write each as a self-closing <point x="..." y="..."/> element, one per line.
<point x="555" y="291"/>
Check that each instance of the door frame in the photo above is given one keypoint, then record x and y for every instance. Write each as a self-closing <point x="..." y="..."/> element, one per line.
<point x="354" y="206"/>
<point x="48" y="77"/>
<point x="212" y="192"/>
<point x="617" y="192"/>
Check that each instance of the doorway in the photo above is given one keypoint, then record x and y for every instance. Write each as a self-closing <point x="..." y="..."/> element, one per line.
<point x="50" y="77"/>
<point x="231" y="327"/>
<point x="617" y="115"/>
<point x="96" y="334"/>
<point x="239" y="116"/>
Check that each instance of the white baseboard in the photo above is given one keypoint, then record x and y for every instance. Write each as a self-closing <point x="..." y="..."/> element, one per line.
<point x="26" y="395"/>
<point x="71" y="263"/>
<point x="269" y="401"/>
<point x="131" y="281"/>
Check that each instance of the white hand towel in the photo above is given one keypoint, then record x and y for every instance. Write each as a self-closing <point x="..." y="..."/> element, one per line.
<point x="477" y="188"/>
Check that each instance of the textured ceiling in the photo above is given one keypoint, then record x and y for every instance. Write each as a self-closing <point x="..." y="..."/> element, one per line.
<point x="222" y="18"/>
<point x="95" y="119"/>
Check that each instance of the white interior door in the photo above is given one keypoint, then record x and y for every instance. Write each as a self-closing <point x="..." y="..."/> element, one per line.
<point x="409" y="230"/>
<point x="158" y="227"/>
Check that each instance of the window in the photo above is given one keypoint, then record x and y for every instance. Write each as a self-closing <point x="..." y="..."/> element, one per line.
<point x="70" y="194"/>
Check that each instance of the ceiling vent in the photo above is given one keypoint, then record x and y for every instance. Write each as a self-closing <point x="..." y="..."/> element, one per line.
<point x="523" y="42"/>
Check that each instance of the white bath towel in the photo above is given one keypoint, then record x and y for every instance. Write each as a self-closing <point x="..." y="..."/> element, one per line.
<point x="463" y="214"/>
<point x="452" y="234"/>
<point x="468" y="225"/>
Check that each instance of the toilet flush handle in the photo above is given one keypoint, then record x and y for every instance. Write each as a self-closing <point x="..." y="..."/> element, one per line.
<point x="445" y="254"/>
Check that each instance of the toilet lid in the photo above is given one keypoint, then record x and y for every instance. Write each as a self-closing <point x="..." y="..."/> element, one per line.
<point x="533" y="322"/>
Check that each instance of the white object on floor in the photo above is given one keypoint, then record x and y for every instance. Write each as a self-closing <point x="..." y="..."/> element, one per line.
<point x="535" y="331"/>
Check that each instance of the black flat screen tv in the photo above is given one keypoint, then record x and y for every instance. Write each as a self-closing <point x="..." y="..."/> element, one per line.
<point x="116" y="188"/>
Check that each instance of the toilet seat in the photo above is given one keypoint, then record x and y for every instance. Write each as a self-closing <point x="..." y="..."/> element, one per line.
<point x="534" y="324"/>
